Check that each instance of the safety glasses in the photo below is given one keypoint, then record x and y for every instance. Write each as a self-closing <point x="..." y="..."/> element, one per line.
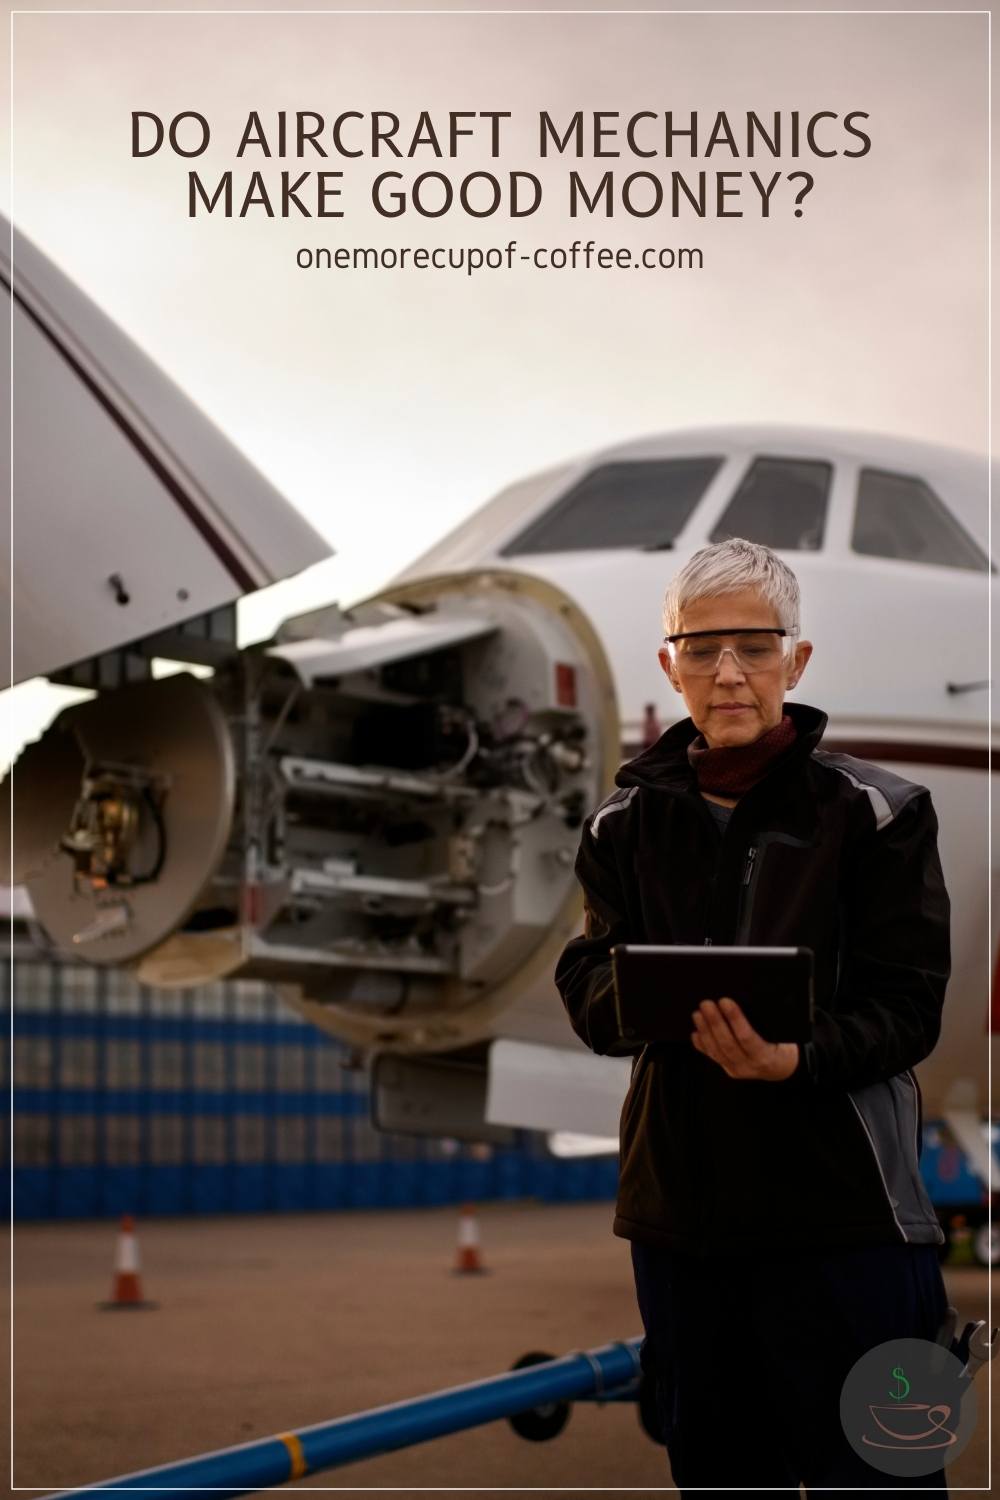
<point x="699" y="653"/>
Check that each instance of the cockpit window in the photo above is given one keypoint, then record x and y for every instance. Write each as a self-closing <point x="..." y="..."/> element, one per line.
<point x="644" y="504"/>
<point x="901" y="517"/>
<point x="781" y="503"/>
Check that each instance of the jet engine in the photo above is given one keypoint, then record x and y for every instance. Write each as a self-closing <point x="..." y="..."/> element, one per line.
<point x="377" y="811"/>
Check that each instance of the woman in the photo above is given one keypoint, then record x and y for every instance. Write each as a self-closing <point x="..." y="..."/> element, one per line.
<point x="771" y="1192"/>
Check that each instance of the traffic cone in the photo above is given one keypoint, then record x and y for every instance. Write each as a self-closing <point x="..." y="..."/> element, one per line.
<point x="468" y="1260"/>
<point x="126" y="1290"/>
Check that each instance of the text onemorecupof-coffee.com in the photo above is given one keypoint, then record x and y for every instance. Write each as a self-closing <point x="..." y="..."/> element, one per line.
<point x="470" y="259"/>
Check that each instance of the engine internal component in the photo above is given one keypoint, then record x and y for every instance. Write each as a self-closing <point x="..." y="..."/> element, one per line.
<point x="378" y="811"/>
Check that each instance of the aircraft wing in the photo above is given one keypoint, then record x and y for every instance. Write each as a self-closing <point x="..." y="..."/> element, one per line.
<point x="132" y="514"/>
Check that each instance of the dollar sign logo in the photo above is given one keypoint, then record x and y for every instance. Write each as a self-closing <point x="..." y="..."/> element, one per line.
<point x="901" y="1380"/>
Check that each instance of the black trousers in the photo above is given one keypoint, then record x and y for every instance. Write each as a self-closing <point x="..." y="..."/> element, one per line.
<point x="750" y="1354"/>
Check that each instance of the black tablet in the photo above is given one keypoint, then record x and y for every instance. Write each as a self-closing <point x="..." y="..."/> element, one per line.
<point x="657" y="989"/>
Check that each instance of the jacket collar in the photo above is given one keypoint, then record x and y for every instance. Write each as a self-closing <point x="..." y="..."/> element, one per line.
<point x="665" y="764"/>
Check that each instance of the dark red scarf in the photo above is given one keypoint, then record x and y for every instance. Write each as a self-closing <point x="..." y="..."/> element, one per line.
<point x="731" y="770"/>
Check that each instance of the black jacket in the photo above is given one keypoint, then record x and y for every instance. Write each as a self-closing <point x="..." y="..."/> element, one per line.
<point x="826" y="852"/>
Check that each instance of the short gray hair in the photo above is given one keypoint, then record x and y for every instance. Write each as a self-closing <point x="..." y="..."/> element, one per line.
<point x="725" y="568"/>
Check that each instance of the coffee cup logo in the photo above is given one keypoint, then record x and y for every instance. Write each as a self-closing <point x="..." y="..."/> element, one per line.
<point x="907" y="1408"/>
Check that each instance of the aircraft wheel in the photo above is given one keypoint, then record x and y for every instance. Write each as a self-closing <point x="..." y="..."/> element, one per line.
<point x="986" y="1245"/>
<point x="539" y="1423"/>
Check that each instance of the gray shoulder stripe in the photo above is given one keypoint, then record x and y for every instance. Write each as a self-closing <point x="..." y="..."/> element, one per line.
<point x="887" y="792"/>
<point x="616" y="803"/>
<point x="880" y="805"/>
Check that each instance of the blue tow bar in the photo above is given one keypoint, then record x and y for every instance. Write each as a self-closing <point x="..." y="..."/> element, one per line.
<point x="593" y="1374"/>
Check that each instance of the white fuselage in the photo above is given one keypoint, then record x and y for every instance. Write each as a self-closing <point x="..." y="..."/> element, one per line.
<point x="901" y="659"/>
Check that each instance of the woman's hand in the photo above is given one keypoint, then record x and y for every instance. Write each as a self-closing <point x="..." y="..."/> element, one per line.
<point x="723" y="1033"/>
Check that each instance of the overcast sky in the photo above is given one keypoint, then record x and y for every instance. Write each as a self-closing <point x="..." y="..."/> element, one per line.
<point x="387" y="405"/>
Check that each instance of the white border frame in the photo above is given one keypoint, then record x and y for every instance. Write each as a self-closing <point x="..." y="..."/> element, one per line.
<point x="547" y="11"/>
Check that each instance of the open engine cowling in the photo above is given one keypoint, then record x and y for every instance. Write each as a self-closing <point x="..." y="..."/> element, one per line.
<point x="378" y="812"/>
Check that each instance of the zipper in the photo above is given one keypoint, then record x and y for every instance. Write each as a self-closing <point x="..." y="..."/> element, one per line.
<point x="748" y="871"/>
<point x="747" y="888"/>
<point x="751" y="878"/>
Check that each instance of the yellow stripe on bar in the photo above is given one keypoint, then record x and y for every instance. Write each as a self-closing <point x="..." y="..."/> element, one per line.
<point x="299" y="1465"/>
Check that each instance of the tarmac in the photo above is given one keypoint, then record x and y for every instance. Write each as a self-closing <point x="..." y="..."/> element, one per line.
<point x="267" y="1324"/>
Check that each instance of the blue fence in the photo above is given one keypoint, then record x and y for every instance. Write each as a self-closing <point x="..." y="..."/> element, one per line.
<point x="128" y="1099"/>
<point x="221" y="1099"/>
